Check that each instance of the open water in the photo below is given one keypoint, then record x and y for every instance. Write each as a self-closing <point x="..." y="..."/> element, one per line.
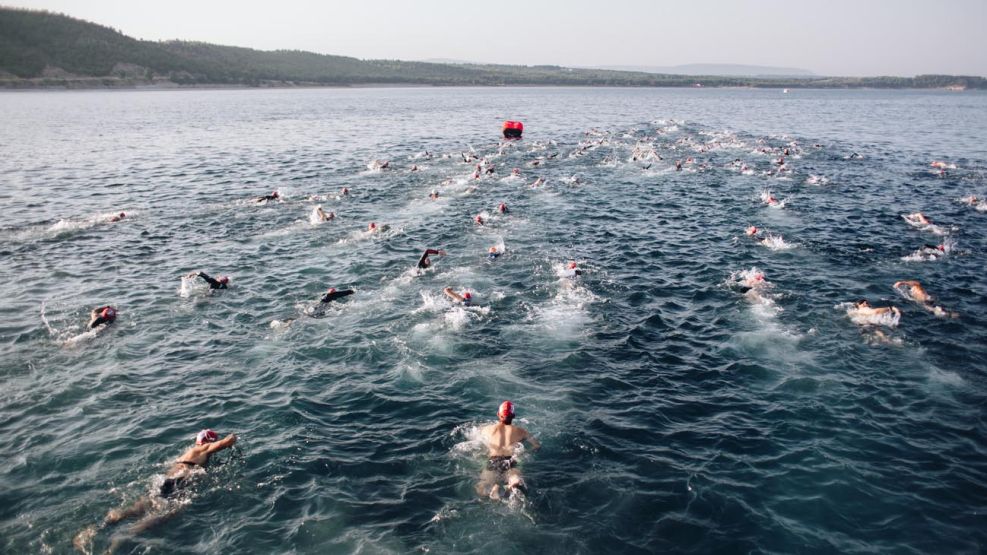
<point x="677" y="413"/>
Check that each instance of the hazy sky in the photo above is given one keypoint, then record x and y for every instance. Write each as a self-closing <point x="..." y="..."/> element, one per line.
<point x="830" y="37"/>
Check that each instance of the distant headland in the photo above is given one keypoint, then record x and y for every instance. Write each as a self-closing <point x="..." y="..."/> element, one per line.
<point x="47" y="50"/>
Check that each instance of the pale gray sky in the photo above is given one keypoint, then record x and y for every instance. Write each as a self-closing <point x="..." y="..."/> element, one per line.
<point x="829" y="37"/>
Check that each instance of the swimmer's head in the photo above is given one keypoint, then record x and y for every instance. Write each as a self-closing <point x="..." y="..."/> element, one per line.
<point x="276" y="194"/>
<point x="224" y="279"/>
<point x="206" y="436"/>
<point x="752" y="230"/>
<point x="862" y="303"/>
<point x="506" y="412"/>
<point x="346" y="190"/>
<point x="108" y="313"/>
<point x="123" y="215"/>
<point x="372" y="226"/>
<point x="493" y="250"/>
<point x="478" y="219"/>
<point x="942" y="247"/>
<point x="467" y="296"/>
<point x="571" y="265"/>
<point x="331" y="291"/>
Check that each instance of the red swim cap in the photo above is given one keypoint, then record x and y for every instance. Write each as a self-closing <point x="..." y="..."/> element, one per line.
<point x="108" y="313"/>
<point x="206" y="436"/>
<point x="506" y="410"/>
<point x="331" y="290"/>
<point x="224" y="279"/>
<point x="572" y="265"/>
<point x="467" y="295"/>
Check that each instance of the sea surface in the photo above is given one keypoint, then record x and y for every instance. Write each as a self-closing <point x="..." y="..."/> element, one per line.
<point x="679" y="409"/>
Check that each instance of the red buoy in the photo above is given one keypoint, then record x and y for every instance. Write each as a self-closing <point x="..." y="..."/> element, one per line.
<point x="513" y="129"/>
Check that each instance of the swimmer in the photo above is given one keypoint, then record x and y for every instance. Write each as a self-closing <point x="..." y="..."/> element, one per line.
<point x="493" y="253"/>
<point x="572" y="269"/>
<point x="539" y="181"/>
<point x="118" y="217"/>
<point x="751" y="231"/>
<point x="323" y="216"/>
<point x="102" y="315"/>
<point x="424" y="261"/>
<point x="678" y="165"/>
<point x="863" y="308"/>
<point x="372" y="227"/>
<point x="414" y="168"/>
<point x="501" y="468"/>
<point x="478" y="220"/>
<point x="378" y="165"/>
<point x="502" y="208"/>
<point x="344" y="191"/>
<point x="263" y="199"/>
<point x="221" y="283"/>
<point x="466" y="298"/>
<point x="516" y="172"/>
<point x="917" y="218"/>
<point x="156" y="508"/>
<point x="918" y="294"/>
<point x="769" y="199"/>
<point x="434" y="195"/>
<point x="332" y="294"/>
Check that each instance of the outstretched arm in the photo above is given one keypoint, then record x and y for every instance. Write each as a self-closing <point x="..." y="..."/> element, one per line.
<point x="530" y="439"/>
<point x="224" y="443"/>
<point x="211" y="281"/>
<point x="453" y="295"/>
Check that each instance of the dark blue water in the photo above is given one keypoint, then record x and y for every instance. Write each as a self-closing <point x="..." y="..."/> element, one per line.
<point x="677" y="413"/>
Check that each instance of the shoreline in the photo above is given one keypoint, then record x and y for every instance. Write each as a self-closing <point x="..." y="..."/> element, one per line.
<point x="87" y="84"/>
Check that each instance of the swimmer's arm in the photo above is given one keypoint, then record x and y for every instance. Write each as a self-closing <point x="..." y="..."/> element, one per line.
<point x="452" y="294"/>
<point x="212" y="282"/>
<point x="910" y="283"/>
<point x="224" y="443"/>
<point x="530" y="439"/>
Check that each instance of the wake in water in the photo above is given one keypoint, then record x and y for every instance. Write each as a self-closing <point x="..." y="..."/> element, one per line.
<point x="920" y="221"/>
<point x="930" y="253"/>
<point x="70" y="335"/>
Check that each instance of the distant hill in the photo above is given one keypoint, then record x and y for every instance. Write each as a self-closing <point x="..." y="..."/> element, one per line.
<point x="41" y="49"/>
<point x="717" y="70"/>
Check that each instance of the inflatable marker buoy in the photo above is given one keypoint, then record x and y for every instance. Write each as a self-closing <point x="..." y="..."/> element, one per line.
<point x="513" y="129"/>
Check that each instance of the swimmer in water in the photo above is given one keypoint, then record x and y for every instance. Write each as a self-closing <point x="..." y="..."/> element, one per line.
<point x="324" y="216"/>
<point x="102" y="315"/>
<point x="918" y="294"/>
<point x="424" y="262"/>
<point x="572" y="268"/>
<point x="501" y="468"/>
<point x="493" y="253"/>
<point x="344" y="191"/>
<point x="156" y="508"/>
<point x="434" y="195"/>
<point x="751" y="231"/>
<point x="118" y="217"/>
<point x="372" y="227"/>
<point x="219" y="283"/>
<point x="332" y="294"/>
<point x="478" y="220"/>
<point x="863" y="308"/>
<point x="917" y="218"/>
<point x="539" y="181"/>
<point x="516" y="172"/>
<point x="466" y="298"/>
<point x="678" y="165"/>
<point x="502" y="208"/>
<point x="273" y="196"/>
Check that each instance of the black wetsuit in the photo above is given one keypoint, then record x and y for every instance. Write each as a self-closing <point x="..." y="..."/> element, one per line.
<point x="330" y="297"/>
<point x="424" y="262"/>
<point x="493" y="255"/>
<point x="272" y="196"/>
<point x="100" y="320"/>
<point x="213" y="283"/>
